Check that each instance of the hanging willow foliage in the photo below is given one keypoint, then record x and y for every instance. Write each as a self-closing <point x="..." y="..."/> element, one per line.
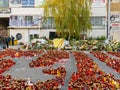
<point x="71" y="17"/>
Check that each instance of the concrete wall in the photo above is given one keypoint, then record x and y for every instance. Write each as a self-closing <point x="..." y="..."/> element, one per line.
<point x="116" y="1"/>
<point x="98" y="11"/>
<point x="26" y="32"/>
<point x="97" y="33"/>
<point x="4" y="15"/>
<point x="27" y="11"/>
<point x="45" y="32"/>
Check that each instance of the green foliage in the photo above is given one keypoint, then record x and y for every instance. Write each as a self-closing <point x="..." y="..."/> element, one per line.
<point x="118" y="45"/>
<point x="102" y="38"/>
<point x="71" y="17"/>
<point x="34" y="47"/>
<point x="36" y="36"/>
<point x="108" y="47"/>
<point x="43" y="37"/>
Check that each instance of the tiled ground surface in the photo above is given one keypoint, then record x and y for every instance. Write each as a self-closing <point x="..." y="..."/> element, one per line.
<point x="103" y="66"/>
<point x="22" y="69"/>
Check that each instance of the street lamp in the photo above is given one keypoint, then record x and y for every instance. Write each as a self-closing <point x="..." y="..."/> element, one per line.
<point x="108" y="19"/>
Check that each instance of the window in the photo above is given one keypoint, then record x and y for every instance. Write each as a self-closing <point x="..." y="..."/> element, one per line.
<point x="98" y="22"/>
<point x="49" y="23"/>
<point x="36" y="36"/>
<point x="44" y="24"/>
<point x="24" y="20"/>
<point x="31" y="36"/>
<point x="28" y="20"/>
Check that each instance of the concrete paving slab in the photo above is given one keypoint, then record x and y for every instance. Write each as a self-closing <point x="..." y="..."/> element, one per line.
<point x="22" y="69"/>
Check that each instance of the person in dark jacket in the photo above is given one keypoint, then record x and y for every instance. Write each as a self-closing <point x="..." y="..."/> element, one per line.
<point x="7" y="40"/>
<point x="12" y="39"/>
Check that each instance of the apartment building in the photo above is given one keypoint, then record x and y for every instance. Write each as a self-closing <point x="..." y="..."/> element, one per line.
<point x="115" y="19"/>
<point x="23" y="19"/>
<point x="98" y="18"/>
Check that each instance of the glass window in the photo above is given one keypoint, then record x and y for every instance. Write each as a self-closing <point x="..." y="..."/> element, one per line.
<point x="31" y="36"/>
<point x="49" y="24"/>
<point x="44" y="24"/>
<point x="36" y="36"/>
<point x="28" y="20"/>
<point x="98" y="22"/>
<point x="25" y="20"/>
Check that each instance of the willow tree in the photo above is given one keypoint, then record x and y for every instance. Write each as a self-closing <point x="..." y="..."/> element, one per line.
<point x="71" y="17"/>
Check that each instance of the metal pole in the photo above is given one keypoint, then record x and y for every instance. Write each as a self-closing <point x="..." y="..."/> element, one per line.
<point x="39" y="28"/>
<point x="108" y="20"/>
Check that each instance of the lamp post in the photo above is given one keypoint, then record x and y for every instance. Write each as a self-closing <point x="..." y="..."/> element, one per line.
<point x="108" y="19"/>
<point x="39" y="29"/>
<point x="40" y="24"/>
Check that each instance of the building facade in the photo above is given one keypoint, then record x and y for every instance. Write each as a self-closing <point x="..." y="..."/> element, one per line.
<point x="23" y="19"/>
<point x="115" y="19"/>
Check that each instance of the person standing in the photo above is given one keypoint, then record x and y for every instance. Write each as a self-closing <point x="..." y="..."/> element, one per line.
<point x="4" y="42"/>
<point x="7" y="41"/>
<point x="12" y="40"/>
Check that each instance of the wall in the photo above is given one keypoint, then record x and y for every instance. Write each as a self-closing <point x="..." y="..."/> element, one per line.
<point x="115" y="24"/>
<point x="45" y="32"/>
<point x="4" y="15"/>
<point x="97" y="33"/>
<point x="27" y="31"/>
<point x="3" y="33"/>
<point x="116" y="1"/>
<point x="24" y="33"/>
<point x="27" y="11"/>
<point x="95" y="11"/>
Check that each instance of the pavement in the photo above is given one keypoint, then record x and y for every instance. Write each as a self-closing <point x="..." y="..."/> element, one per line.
<point x="104" y="67"/>
<point x="22" y="69"/>
<point x="10" y="46"/>
<point x="15" y="46"/>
